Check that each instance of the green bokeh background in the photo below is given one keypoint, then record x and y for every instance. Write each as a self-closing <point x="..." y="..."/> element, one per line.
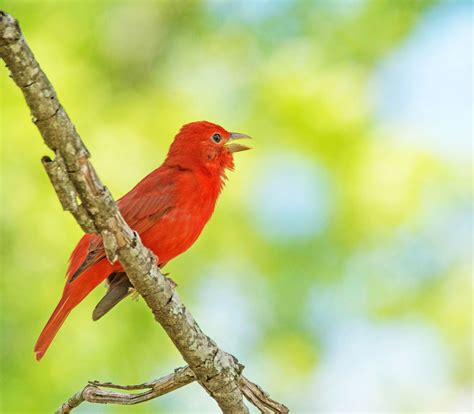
<point x="337" y="266"/>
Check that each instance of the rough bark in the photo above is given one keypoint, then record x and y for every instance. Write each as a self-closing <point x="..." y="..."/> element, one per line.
<point x="81" y="192"/>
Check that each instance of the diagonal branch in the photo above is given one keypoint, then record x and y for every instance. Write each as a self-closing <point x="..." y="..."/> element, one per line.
<point x="74" y="178"/>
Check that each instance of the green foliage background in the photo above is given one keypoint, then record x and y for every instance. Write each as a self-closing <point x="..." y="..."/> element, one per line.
<point x="295" y="76"/>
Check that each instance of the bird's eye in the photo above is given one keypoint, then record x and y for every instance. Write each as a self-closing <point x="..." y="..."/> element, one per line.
<point x="216" y="138"/>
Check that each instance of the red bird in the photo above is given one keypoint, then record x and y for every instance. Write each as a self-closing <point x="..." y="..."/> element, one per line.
<point x="168" y="208"/>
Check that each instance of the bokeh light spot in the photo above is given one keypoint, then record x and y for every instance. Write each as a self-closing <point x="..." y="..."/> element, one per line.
<point x="290" y="198"/>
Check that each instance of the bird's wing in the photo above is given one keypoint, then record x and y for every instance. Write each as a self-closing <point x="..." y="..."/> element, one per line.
<point x="143" y="206"/>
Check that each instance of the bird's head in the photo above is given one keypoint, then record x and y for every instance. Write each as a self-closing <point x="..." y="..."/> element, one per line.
<point x="205" y="145"/>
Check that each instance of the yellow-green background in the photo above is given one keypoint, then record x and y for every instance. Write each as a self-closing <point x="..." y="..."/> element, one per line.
<point x="337" y="266"/>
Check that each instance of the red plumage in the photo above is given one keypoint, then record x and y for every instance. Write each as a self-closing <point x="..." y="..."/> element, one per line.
<point x="168" y="208"/>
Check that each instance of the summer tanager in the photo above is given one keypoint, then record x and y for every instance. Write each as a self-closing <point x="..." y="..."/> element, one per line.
<point x="168" y="208"/>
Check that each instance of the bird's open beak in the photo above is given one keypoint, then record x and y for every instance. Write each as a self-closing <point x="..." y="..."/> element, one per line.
<point x="232" y="146"/>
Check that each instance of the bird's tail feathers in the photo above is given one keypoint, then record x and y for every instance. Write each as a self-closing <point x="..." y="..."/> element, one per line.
<point x="73" y="294"/>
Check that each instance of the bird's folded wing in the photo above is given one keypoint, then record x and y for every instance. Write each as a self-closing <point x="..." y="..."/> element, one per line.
<point x="152" y="199"/>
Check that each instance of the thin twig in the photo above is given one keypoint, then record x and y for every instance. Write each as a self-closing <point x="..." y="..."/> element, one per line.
<point x="258" y="397"/>
<point x="94" y="392"/>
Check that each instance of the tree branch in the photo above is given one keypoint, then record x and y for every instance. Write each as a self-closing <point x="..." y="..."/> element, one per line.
<point x="94" y="392"/>
<point x="74" y="178"/>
